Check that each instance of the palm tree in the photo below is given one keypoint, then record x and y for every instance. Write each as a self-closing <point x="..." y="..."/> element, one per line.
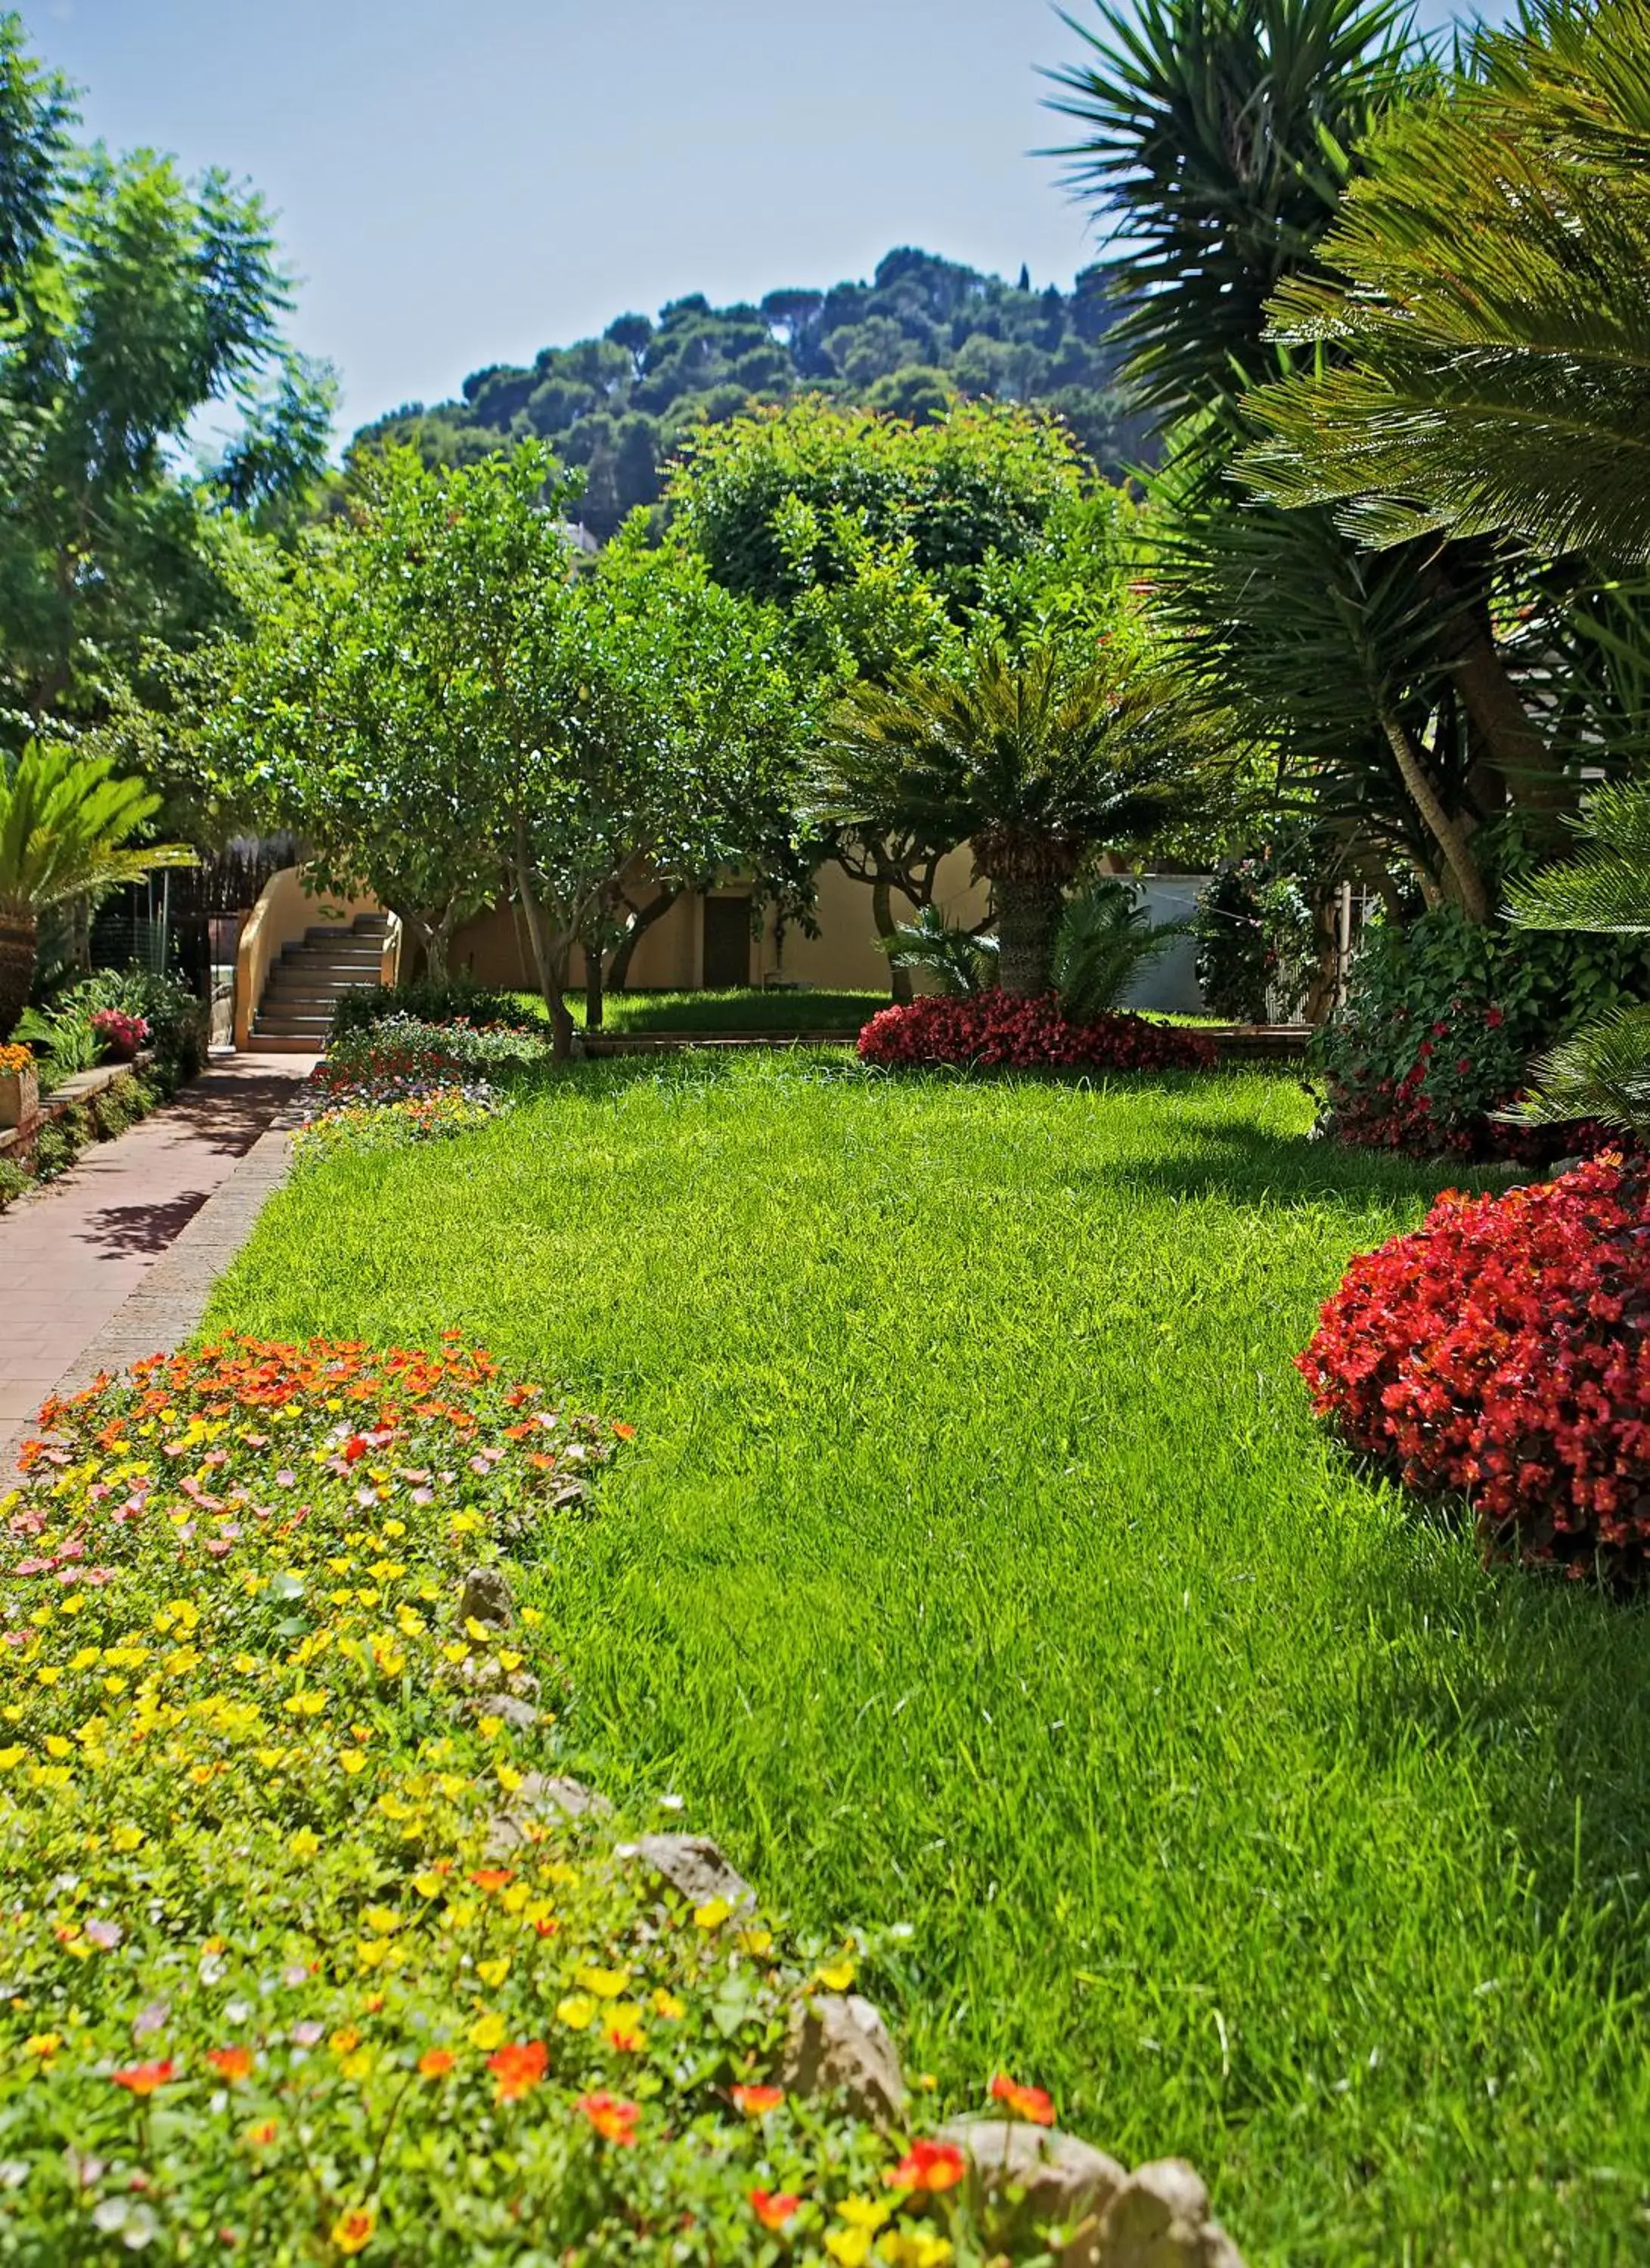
<point x="1486" y="305"/>
<point x="1034" y="762"/>
<point x="1604" y="1070"/>
<point x="66" y="826"/>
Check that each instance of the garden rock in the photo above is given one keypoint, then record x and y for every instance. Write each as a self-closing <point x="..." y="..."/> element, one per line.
<point x="1057" y="2178"/>
<point x="542" y="1796"/>
<point x="520" y="1716"/>
<point x="692" y="1864"/>
<point x="1160" y="2219"/>
<point x="838" y="2045"/>
<point x="487" y="1599"/>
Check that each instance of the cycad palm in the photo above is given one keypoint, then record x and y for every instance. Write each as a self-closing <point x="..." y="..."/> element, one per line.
<point x="66" y="826"/>
<point x="1488" y="308"/>
<point x="1033" y="763"/>
<point x="1603" y="1071"/>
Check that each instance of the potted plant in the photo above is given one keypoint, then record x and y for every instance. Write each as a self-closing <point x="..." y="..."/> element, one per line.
<point x="19" y="1086"/>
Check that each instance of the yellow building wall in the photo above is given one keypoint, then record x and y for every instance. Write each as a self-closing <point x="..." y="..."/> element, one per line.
<point x="494" y="949"/>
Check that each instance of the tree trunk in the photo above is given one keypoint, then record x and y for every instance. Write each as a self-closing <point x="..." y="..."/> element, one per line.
<point x="19" y="942"/>
<point x="642" y="919"/>
<point x="550" y="959"/>
<point x="593" y="988"/>
<point x="882" y="915"/>
<point x="1445" y="831"/>
<point x="1512" y="748"/>
<point x="1326" y="940"/>
<point x="1028" y="916"/>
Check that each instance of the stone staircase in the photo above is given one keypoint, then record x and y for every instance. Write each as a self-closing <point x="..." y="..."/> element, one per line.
<point x="295" y="1015"/>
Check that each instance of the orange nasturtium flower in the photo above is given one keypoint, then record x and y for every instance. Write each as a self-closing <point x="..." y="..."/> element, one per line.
<point x="434" y="2063"/>
<point x="144" y="2077"/>
<point x="757" y="2102"/>
<point x="1031" y="2102"/>
<point x="518" y="2066"/>
<point x="492" y="1878"/>
<point x="612" y="2116"/>
<point x="930" y="2166"/>
<point x="352" y="2231"/>
<point x="233" y="2063"/>
<point x="774" y="2207"/>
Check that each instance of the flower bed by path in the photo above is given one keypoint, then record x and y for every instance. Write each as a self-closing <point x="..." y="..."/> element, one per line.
<point x="402" y="1080"/>
<point x="1000" y="1031"/>
<point x="302" y="1960"/>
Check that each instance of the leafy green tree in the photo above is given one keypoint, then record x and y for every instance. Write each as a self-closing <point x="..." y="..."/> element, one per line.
<point x="1034" y="763"/>
<point x="1484" y="293"/>
<point x="451" y="712"/>
<point x="66" y="830"/>
<point x="132" y="300"/>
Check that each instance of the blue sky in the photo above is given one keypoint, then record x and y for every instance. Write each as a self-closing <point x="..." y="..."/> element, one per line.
<point x="463" y="184"/>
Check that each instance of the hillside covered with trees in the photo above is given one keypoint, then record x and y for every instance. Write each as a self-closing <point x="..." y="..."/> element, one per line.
<point x="924" y="334"/>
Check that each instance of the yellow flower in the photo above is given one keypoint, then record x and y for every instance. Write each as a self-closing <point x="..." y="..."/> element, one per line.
<point x="428" y="1885"/>
<point x="127" y="1839"/>
<point x="43" y="2045"/>
<point x="488" y="2033"/>
<point x="493" y="1973"/>
<point x="915" y="2248"/>
<point x="304" y="1843"/>
<point x="383" y="1921"/>
<point x="668" y="2007"/>
<point x="10" y="1756"/>
<point x="345" y="2041"/>
<point x="357" y="2065"/>
<point x="578" y="2011"/>
<point x="849" y="2248"/>
<point x="712" y="1913"/>
<point x="489" y="1727"/>
<point x="605" y="1983"/>
<point x="351" y="1761"/>
<point x="509" y="1778"/>
<point x="835" y="1975"/>
<point x="866" y="2213"/>
<point x="758" y="1942"/>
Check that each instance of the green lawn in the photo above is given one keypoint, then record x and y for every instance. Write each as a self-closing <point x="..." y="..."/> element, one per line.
<point x="733" y="1011"/>
<point x="978" y="1567"/>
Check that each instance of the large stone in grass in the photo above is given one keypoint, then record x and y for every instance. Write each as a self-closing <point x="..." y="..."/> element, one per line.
<point x="693" y="1866"/>
<point x="1160" y="2219"/>
<point x="1023" y="2178"/>
<point x="838" y="2045"/>
<point x="486" y="1600"/>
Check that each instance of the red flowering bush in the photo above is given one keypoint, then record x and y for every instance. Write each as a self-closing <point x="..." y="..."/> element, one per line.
<point x="1003" y="1031"/>
<point x="1503" y="1350"/>
<point x="122" y="1035"/>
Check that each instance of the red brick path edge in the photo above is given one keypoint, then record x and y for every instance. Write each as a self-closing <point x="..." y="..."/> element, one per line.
<point x="115" y="1259"/>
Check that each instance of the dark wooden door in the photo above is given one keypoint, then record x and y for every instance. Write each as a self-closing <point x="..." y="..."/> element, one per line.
<point x="726" y="943"/>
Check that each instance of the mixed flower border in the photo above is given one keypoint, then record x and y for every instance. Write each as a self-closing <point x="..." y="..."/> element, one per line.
<point x="294" y="1969"/>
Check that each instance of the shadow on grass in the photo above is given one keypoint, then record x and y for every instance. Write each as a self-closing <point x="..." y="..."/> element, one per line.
<point x="1555" y="1715"/>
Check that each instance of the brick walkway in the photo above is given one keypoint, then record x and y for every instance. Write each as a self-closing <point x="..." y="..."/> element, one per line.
<point x="115" y="1260"/>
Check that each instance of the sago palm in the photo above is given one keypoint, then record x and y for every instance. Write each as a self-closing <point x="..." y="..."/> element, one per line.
<point x="1033" y="763"/>
<point x="66" y="828"/>
<point x="1603" y="1071"/>
<point x="1487" y="309"/>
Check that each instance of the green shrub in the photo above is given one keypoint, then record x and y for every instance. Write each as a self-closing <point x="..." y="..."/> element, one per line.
<point x="366" y="1004"/>
<point x="1441" y="1018"/>
<point x="61" y="1140"/>
<point x="13" y="1181"/>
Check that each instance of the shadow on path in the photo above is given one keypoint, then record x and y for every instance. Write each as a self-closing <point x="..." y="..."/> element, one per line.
<point x="135" y="1231"/>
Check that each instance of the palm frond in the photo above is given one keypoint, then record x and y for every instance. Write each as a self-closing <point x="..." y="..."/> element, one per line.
<point x="961" y="961"/>
<point x="1485" y="308"/>
<point x="1105" y="941"/>
<point x="1603" y="1072"/>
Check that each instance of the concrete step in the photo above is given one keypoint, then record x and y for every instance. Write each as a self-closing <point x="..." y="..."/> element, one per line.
<point x="277" y="1044"/>
<point x="281" y="1019"/>
<point x="307" y="984"/>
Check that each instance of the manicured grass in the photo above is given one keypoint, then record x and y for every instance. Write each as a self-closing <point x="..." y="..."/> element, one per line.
<point x="978" y="1566"/>
<point x="735" y="1012"/>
